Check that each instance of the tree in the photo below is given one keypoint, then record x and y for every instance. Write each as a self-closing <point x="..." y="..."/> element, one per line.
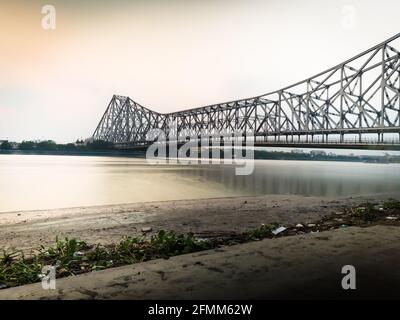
<point x="6" y="145"/>
<point x="27" y="145"/>
<point x="47" y="145"/>
<point x="100" y="145"/>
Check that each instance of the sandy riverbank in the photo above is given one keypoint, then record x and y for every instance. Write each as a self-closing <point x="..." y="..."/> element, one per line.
<point x="206" y="218"/>
<point x="300" y="266"/>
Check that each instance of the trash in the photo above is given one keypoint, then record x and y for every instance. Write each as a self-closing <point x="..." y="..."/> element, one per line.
<point x="278" y="230"/>
<point x="311" y="225"/>
<point x="338" y="213"/>
<point x="78" y="254"/>
<point x="378" y="207"/>
<point x="146" y="229"/>
<point x="343" y="226"/>
<point x="391" y="218"/>
<point x="299" y="225"/>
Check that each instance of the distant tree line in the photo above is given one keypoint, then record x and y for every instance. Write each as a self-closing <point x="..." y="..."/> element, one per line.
<point x="322" y="156"/>
<point x="50" y="145"/>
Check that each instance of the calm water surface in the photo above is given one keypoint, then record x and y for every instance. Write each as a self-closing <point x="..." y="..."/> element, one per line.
<point x="41" y="182"/>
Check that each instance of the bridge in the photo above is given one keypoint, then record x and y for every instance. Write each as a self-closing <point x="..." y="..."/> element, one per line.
<point x="355" y="104"/>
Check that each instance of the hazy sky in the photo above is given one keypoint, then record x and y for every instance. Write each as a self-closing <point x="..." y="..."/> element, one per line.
<point x="167" y="55"/>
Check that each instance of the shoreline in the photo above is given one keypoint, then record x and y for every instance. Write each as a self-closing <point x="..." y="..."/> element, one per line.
<point x="75" y="153"/>
<point x="106" y="224"/>
<point x="258" y="155"/>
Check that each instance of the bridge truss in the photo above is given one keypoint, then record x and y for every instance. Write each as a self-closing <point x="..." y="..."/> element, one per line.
<point x="360" y="96"/>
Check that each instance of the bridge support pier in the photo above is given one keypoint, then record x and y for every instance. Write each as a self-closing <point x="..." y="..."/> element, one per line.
<point x="380" y="137"/>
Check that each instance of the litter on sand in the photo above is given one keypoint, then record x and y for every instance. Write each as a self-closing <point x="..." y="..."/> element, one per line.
<point x="278" y="230"/>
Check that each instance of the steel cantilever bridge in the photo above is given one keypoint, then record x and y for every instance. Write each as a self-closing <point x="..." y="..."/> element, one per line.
<point x="343" y="106"/>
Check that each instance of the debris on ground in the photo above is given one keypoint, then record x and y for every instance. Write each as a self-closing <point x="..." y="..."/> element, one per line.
<point x="278" y="230"/>
<point x="378" y="207"/>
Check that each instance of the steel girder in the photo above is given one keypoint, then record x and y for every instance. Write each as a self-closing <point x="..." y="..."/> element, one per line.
<point x="360" y="95"/>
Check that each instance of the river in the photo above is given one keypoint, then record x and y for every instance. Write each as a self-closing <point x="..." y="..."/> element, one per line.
<point x="30" y="182"/>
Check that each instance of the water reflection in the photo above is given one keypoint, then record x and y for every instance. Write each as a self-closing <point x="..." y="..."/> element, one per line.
<point x="39" y="182"/>
<point x="305" y="178"/>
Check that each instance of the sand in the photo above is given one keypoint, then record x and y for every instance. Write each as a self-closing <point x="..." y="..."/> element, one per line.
<point x="307" y="266"/>
<point x="28" y="230"/>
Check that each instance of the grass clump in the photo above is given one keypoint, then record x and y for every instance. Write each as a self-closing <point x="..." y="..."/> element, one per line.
<point x="367" y="212"/>
<point x="166" y="244"/>
<point x="265" y="231"/>
<point x="71" y="257"/>
<point x="17" y="269"/>
<point x="391" y="204"/>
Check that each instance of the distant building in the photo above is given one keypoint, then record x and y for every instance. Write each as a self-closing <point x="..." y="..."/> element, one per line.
<point x="80" y="143"/>
<point x="297" y="151"/>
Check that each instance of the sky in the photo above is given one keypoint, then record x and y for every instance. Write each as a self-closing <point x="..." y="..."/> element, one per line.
<point x="167" y="55"/>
